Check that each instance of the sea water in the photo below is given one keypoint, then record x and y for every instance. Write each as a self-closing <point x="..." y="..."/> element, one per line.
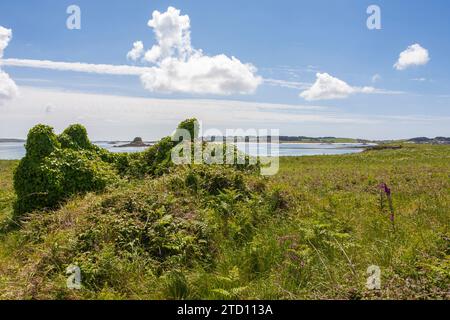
<point x="16" y="150"/>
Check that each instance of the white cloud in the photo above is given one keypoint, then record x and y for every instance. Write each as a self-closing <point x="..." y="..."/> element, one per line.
<point x="172" y="32"/>
<point x="137" y="51"/>
<point x="8" y="88"/>
<point x="153" y="54"/>
<point x="419" y="79"/>
<point x="220" y="75"/>
<point x="77" y="67"/>
<point x="414" y="55"/>
<point x="287" y="84"/>
<point x="178" y="67"/>
<point x="5" y="37"/>
<point x="328" y="87"/>
<point x="109" y="116"/>
<point x="200" y="74"/>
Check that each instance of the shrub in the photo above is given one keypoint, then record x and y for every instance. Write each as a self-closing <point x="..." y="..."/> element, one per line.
<point x="177" y="286"/>
<point x="37" y="186"/>
<point x="57" y="167"/>
<point x="75" y="137"/>
<point x="214" y="179"/>
<point x="157" y="159"/>
<point x="54" y="168"/>
<point x="41" y="141"/>
<point x="192" y="126"/>
<point x="81" y="171"/>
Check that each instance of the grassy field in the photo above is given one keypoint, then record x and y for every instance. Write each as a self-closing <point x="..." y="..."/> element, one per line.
<point x="310" y="232"/>
<point x="6" y="188"/>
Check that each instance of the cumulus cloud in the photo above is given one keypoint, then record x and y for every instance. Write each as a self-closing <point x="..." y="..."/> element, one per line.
<point x="153" y="54"/>
<point x="136" y="52"/>
<point x="8" y="88"/>
<point x="220" y="75"/>
<point x="5" y="37"/>
<point x="200" y="74"/>
<point x="328" y="87"/>
<point x="172" y="33"/>
<point x="178" y="67"/>
<point x="414" y="55"/>
<point x="175" y="65"/>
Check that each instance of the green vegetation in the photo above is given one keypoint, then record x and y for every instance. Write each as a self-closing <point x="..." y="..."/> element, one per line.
<point x="217" y="232"/>
<point x="7" y="195"/>
<point x="57" y="167"/>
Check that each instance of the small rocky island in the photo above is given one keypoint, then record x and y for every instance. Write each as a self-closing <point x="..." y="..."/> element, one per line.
<point x="136" y="143"/>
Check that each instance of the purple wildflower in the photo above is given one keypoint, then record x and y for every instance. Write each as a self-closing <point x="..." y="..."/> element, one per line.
<point x="383" y="186"/>
<point x="387" y="191"/>
<point x="391" y="217"/>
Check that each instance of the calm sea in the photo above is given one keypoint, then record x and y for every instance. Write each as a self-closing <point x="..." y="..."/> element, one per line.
<point x="15" y="150"/>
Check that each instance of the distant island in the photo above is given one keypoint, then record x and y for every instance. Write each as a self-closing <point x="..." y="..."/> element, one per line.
<point x="299" y="139"/>
<point x="11" y="140"/>
<point x="305" y="139"/>
<point x="425" y="140"/>
<point x="136" y="143"/>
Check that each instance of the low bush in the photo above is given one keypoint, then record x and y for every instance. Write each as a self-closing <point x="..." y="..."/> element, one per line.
<point x="55" y="168"/>
<point x="75" y="137"/>
<point x="41" y="142"/>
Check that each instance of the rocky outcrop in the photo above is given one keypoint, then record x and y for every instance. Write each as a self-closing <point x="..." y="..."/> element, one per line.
<point x="137" y="142"/>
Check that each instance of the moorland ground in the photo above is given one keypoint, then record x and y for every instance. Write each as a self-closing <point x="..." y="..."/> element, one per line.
<point x="309" y="232"/>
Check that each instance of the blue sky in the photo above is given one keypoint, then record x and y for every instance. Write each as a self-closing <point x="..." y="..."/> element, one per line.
<point x="287" y="41"/>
